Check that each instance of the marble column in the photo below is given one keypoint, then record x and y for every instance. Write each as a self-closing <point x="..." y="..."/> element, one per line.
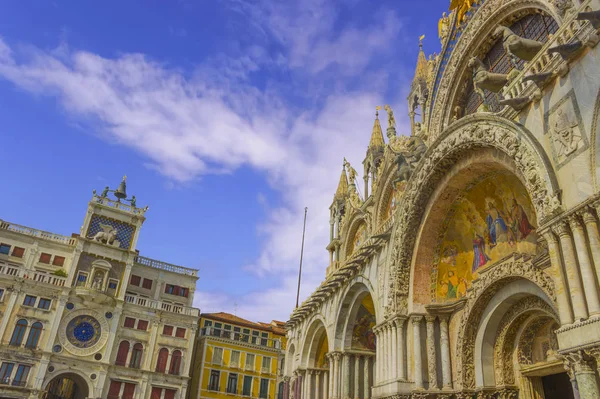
<point x="445" y="347"/>
<point x="591" y="226"/>
<point x="580" y="366"/>
<point x="556" y="271"/>
<point x="336" y="375"/>
<point x="431" y="356"/>
<point x="401" y="353"/>
<point x="573" y="277"/>
<point x="318" y="375"/>
<point x="330" y="376"/>
<point x="326" y="384"/>
<point x="418" y="372"/>
<point x="366" y="381"/>
<point x="309" y="378"/>
<point x="378" y="351"/>
<point x="585" y="264"/>
<point x="394" y="352"/>
<point x="356" y="390"/>
<point x="388" y="353"/>
<point x="346" y="376"/>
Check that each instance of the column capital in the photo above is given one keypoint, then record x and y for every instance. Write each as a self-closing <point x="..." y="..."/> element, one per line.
<point x="561" y="229"/>
<point x="594" y="353"/>
<point x="444" y="318"/>
<point x="416" y="320"/>
<point x="575" y="222"/>
<point x="577" y="362"/>
<point x="430" y="319"/>
<point x="588" y="215"/>
<point x="549" y="236"/>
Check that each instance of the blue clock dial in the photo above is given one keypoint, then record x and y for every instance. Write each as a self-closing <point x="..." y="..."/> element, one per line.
<point x="83" y="331"/>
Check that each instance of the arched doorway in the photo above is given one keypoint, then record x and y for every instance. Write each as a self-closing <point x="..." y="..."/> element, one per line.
<point x="356" y="343"/>
<point x="67" y="386"/>
<point x="316" y="359"/>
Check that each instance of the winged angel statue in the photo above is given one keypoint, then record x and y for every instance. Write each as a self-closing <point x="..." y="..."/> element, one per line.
<point x="107" y="235"/>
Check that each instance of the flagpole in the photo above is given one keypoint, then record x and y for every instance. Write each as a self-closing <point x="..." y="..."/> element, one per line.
<point x="301" y="254"/>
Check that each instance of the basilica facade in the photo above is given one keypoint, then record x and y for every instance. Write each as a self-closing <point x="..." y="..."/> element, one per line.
<point x="469" y="266"/>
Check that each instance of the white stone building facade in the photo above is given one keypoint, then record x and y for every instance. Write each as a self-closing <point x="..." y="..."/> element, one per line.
<point x="88" y="317"/>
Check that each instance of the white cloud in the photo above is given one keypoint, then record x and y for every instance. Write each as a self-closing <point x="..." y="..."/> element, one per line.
<point x="215" y="120"/>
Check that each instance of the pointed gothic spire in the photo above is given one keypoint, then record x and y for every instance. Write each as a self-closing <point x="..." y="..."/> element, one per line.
<point x="377" y="134"/>
<point x="422" y="68"/>
<point x="342" y="188"/>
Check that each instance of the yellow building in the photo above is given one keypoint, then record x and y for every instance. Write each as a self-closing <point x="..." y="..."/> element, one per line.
<point x="237" y="358"/>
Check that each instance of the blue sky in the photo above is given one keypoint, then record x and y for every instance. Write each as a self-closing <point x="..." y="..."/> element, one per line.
<point x="228" y="117"/>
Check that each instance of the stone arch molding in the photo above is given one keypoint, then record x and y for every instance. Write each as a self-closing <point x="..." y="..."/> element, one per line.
<point x="482" y="291"/>
<point x="468" y="135"/>
<point x="316" y="324"/>
<point x="477" y="31"/>
<point x="347" y="310"/>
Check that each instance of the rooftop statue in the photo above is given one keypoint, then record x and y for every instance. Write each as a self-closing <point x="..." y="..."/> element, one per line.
<point x="391" y="119"/>
<point x="461" y="7"/>
<point x="351" y="171"/>
<point x="486" y="80"/>
<point x="443" y="27"/>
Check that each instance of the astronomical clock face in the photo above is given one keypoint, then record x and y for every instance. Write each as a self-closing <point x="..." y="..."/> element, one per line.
<point x="83" y="332"/>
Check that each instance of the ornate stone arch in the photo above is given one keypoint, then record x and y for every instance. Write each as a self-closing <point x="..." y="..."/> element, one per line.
<point x="290" y="358"/>
<point x="476" y="33"/>
<point x="384" y="188"/>
<point x="511" y="142"/>
<point x="482" y="291"/>
<point x="507" y="333"/>
<point x="316" y="326"/>
<point x="347" y="310"/>
<point x="357" y="219"/>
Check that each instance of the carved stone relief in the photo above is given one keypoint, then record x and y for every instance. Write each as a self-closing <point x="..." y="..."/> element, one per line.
<point x="565" y="128"/>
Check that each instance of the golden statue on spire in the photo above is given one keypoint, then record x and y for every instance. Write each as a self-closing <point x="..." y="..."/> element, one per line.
<point x="461" y="7"/>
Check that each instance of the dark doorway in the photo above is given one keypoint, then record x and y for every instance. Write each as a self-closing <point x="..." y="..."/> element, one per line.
<point x="557" y="386"/>
<point x="67" y="386"/>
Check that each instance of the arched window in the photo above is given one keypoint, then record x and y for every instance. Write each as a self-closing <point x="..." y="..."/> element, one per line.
<point x="534" y="26"/>
<point x="122" y="353"/>
<point x="161" y="362"/>
<point x="175" y="362"/>
<point x="19" y="333"/>
<point x="34" y="335"/>
<point x="136" y="356"/>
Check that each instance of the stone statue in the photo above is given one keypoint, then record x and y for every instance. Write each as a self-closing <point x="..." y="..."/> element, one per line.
<point x="443" y="26"/>
<point x="351" y="171"/>
<point x="403" y="169"/>
<point x="417" y="148"/>
<point x="391" y="119"/>
<point x="516" y="47"/>
<point x="485" y="80"/>
<point x="107" y="235"/>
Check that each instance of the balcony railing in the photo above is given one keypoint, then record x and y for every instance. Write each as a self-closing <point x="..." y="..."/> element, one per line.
<point x="142" y="260"/>
<point x="40" y="277"/>
<point x="236" y="336"/>
<point x="159" y="305"/>
<point x="119" y="205"/>
<point x="44" y="235"/>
